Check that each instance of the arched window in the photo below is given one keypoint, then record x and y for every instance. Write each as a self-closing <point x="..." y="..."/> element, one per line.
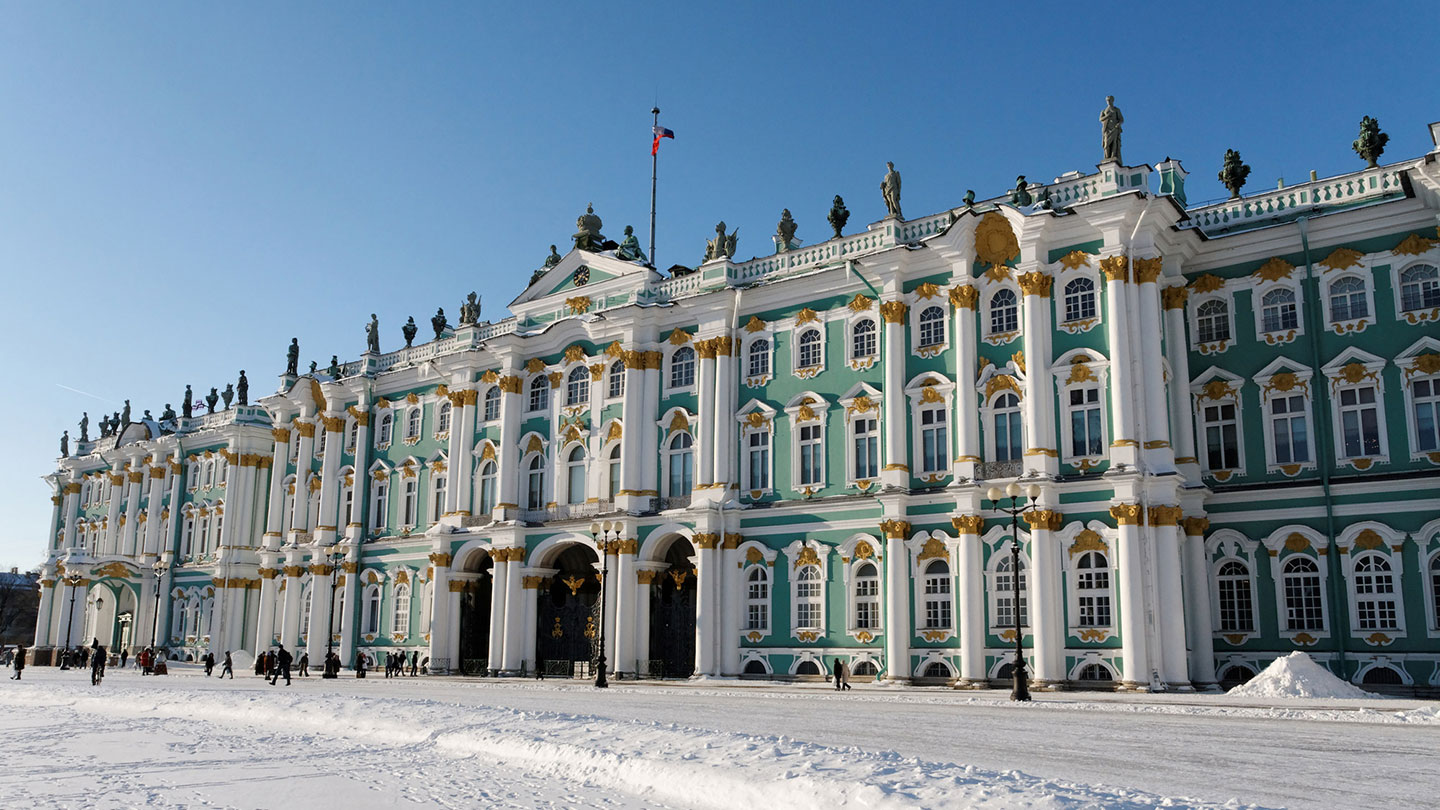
<point x="757" y="599"/>
<point x="577" y="387"/>
<point x="1304" y="603"/>
<point x="1004" y="594"/>
<point x="1092" y="588"/>
<point x="759" y="359"/>
<point x="867" y="597"/>
<point x="209" y="479"/>
<point x="680" y="465"/>
<point x="1095" y="672"/>
<point x="1213" y="321"/>
<point x="412" y="424"/>
<point x="1079" y="300"/>
<point x="1419" y="287"/>
<point x="487" y="488"/>
<point x="938" y="608"/>
<point x="1232" y="585"/>
<point x="492" y="404"/>
<point x="539" y="393"/>
<point x="1382" y="676"/>
<point x="809" y="599"/>
<point x="1347" y="299"/>
<point x="862" y="339"/>
<point x="613" y="467"/>
<point x="682" y="367"/>
<point x="372" y="611"/>
<point x="932" y="326"/>
<point x="1005" y="415"/>
<point x="809" y="349"/>
<point x="1375" y="606"/>
<point x="382" y="434"/>
<point x="575" y="476"/>
<point x="438" y="485"/>
<point x="1277" y="310"/>
<point x="535" y="483"/>
<point x="1004" y="312"/>
<point x="936" y="669"/>
<point x="442" y="420"/>
<point x="204" y="536"/>
<point x="617" y="379"/>
<point x="400" y="613"/>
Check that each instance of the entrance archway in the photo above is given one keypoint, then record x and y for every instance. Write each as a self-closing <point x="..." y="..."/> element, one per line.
<point x="567" y="614"/>
<point x="474" y="630"/>
<point x="672" y="614"/>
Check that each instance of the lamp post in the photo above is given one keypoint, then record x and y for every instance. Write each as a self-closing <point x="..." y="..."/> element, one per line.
<point x="334" y="556"/>
<point x="1013" y="492"/>
<point x="73" y="580"/>
<point x="601" y="533"/>
<point x="161" y="567"/>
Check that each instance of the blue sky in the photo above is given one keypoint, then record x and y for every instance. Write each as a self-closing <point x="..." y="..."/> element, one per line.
<point x="185" y="186"/>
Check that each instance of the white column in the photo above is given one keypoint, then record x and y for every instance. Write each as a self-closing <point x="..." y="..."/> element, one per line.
<point x="1198" y="629"/>
<point x="967" y="413"/>
<point x="72" y="511"/>
<point x="896" y="471"/>
<point x="1174" y="667"/>
<point x="499" y="579"/>
<point x="275" y="515"/>
<point x="350" y="608"/>
<point x="705" y="389"/>
<point x="514" y="615"/>
<point x="508" y="473"/>
<point x="644" y="577"/>
<point x="47" y="605"/>
<point x="1156" y="441"/>
<point x="972" y="600"/>
<point x="128" y="545"/>
<point x="650" y="414"/>
<point x="451" y="658"/>
<point x="706" y="626"/>
<point x="632" y="439"/>
<point x="110" y="540"/>
<point x="1047" y="612"/>
<point x="1124" y="444"/>
<point x="269" y="596"/>
<point x="170" y="531"/>
<point x="1182" y="430"/>
<point x="1041" y="452"/>
<point x="327" y="523"/>
<point x="322" y="595"/>
<point x="530" y="584"/>
<point x="897" y="602"/>
<point x="1134" y="645"/>
<point x="57" y="514"/>
<point x="151" y="544"/>
<point x="290" y="616"/>
<point x="301" y="521"/>
<point x="440" y="627"/>
<point x="731" y="599"/>
<point x="724" y="425"/>
<point x="625" y="628"/>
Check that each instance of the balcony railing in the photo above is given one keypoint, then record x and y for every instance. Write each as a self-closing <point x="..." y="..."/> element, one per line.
<point x="567" y="511"/>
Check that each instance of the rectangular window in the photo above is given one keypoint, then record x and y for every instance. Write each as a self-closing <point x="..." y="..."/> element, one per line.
<point x="934" y="440"/>
<point x="1287" y="422"/>
<point x="759" y="452"/>
<point x="380" y="508"/>
<point x="1425" y="397"/>
<point x="1359" y="422"/>
<point x="938" y="612"/>
<point x="867" y="448"/>
<point x="758" y="617"/>
<point x="1085" y="438"/>
<point x="1222" y="444"/>
<point x="812" y="459"/>
<point x="1235" y="609"/>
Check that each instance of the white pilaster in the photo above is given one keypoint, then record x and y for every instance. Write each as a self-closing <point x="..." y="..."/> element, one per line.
<point x="1198" y="628"/>
<point x="896" y="471"/>
<point x="1134" y="643"/>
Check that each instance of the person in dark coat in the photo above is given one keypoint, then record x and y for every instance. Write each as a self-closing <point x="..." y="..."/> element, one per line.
<point x="209" y="660"/>
<point x="360" y="662"/>
<point x="414" y="662"/>
<point x="228" y="668"/>
<point x="282" y="666"/>
<point x="97" y="665"/>
<point x="838" y="670"/>
<point x="19" y="662"/>
<point x="304" y="665"/>
<point x="124" y="656"/>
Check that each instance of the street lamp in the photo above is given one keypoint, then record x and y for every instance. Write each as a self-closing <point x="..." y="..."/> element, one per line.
<point x="73" y="580"/>
<point x="1013" y="492"/>
<point x="334" y="556"/>
<point x="161" y="567"/>
<point x="601" y="533"/>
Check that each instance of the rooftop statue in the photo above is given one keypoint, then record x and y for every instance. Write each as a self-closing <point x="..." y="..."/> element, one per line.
<point x="167" y="415"/>
<point x="210" y="400"/>
<point x="65" y="444"/>
<point x="839" y="215"/>
<point x="629" y="249"/>
<point x="785" y="230"/>
<point x="334" y="369"/>
<point x="313" y="364"/>
<point x="438" y="322"/>
<point x="243" y="388"/>
<point x="228" y="395"/>
<point x="187" y="405"/>
<point x="1371" y="143"/>
<point x="1233" y="173"/>
<point x="409" y="330"/>
<point x="115" y="423"/>
<point x="587" y="231"/>
<point x="148" y="417"/>
<point x="722" y="245"/>
<point x="1110" y="121"/>
<point x="84" y="426"/>
<point x="292" y="358"/>
<point x="125" y="415"/>
<point x="470" y="310"/>
<point x="553" y="259"/>
<point x="1020" y="196"/>
<point x="969" y="198"/>
<point x="372" y="335"/>
<point x="890" y="189"/>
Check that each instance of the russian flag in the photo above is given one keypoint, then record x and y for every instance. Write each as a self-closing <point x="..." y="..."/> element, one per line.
<point x="660" y="132"/>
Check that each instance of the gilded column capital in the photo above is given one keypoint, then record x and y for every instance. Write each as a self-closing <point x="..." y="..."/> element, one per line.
<point x="320" y="570"/>
<point x="895" y="529"/>
<point x="653" y="360"/>
<point x="457" y="398"/>
<point x="1165" y="515"/>
<point x="1044" y="519"/>
<point x="72" y="488"/>
<point x="293" y="570"/>
<point x="1147" y="270"/>
<point x="732" y="540"/>
<point x="1128" y="514"/>
<point x="333" y="424"/>
<point x="706" y="348"/>
<point x="968" y="524"/>
<point x="1174" y="297"/>
<point x="1035" y="283"/>
<point x="362" y="418"/>
<point x="645" y="577"/>
<point x="705" y="540"/>
<point x="894" y="311"/>
<point x="629" y="545"/>
<point x="1196" y="526"/>
<point x="440" y="559"/>
<point x="510" y="384"/>
<point x="964" y="296"/>
<point x="269" y="573"/>
<point x="1115" y="268"/>
<point x="280" y="434"/>
<point x="530" y="583"/>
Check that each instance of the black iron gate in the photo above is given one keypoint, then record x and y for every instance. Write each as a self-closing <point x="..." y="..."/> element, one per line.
<point x="672" y="623"/>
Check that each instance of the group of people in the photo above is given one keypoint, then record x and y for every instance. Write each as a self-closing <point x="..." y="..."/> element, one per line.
<point x="397" y="662"/>
<point x="275" y="664"/>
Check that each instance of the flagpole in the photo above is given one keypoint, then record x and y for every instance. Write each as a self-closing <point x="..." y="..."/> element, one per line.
<point x="654" y="159"/>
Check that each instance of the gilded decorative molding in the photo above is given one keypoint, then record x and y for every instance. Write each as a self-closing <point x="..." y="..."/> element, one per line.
<point x="510" y="384"/>
<point x="1165" y="515"/>
<point x="1074" y="259"/>
<point x="1218" y="389"/>
<point x="1368" y="540"/>
<point x="556" y="378"/>
<point x="1341" y="258"/>
<point x="807" y="556"/>
<point x="706" y="540"/>
<point x="1001" y="382"/>
<point x="1423" y="363"/>
<point x="894" y="311"/>
<point x="1414" y="245"/>
<point x="1035" y="283"/>
<point x="1018" y="358"/>
<point x="1079" y="371"/>
<point x="895" y="529"/>
<point x="1273" y="270"/>
<point x="678" y="337"/>
<point x="933" y="549"/>
<point x="1086" y="540"/>
<point x="1128" y="514"/>
<point x="995" y="242"/>
<point x="293" y="570"/>
<point x="860" y="303"/>
<point x="679" y="421"/>
<point x="1353" y="373"/>
<point x="1116" y="268"/>
<point x="1146" y="271"/>
<point x="645" y="577"/>
<point x="1044" y="519"/>
<point x="72" y="488"/>
<point x="968" y="524"/>
<point x="926" y="291"/>
<point x="964" y="296"/>
<point x="579" y="305"/>
<point x="1207" y="283"/>
<point x="628" y="545"/>
<point x="597" y="372"/>
<point x="1174" y="297"/>
<point x="305" y="429"/>
<point x="574" y="353"/>
<point x="755" y="325"/>
<point x="362" y="418"/>
<point x="732" y="540"/>
<point x="706" y="349"/>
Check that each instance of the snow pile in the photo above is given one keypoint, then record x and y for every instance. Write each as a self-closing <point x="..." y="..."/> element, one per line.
<point x="1297" y="676"/>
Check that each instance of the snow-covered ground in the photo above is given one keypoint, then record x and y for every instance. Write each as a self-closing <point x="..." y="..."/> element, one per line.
<point x="191" y="741"/>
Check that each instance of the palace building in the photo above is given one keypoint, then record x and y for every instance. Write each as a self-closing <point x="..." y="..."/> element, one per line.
<point x="1227" y="415"/>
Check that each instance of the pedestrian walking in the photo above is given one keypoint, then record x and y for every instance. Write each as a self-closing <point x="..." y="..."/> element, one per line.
<point x="282" y="666"/>
<point x="228" y="668"/>
<point x="19" y="662"/>
<point x="414" y="662"/>
<point x="97" y="664"/>
<point x="304" y="665"/>
<point x="425" y="665"/>
<point x="360" y="661"/>
<point x="124" y="656"/>
<point x="845" y="675"/>
<point x="838" y="670"/>
<point x="209" y="660"/>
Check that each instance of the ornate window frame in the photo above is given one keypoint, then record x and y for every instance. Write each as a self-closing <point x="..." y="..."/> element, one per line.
<point x="808" y="409"/>
<point x="492" y="393"/>
<point x="1082" y="369"/>
<point x="995" y="384"/>
<point x="380" y="475"/>
<point x="1277" y="274"/>
<point x="997" y="539"/>
<point x="1430" y="258"/>
<point x="1287" y="543"/>
<point x="438" y="487"/>
<point x="1077" y="265"/>
<point x="803" y="554"/>
<point x="1202" y="291"/>
<point x="1286" y="378"/>
<point x="986" y="314"/>
<point x="538" y="387"/>
<point x="805" y="322"/>
<point x="755" y="331"/>
<point x="1419" y="361"/>
<point x="444" y="418"/>
<point x="1427" y="560"/>
<point x="1354" y="369"/>
<point x="1218" y="387"/>
<point x="615" y="370"/>
<point x="670" y="387"/>
<point x="384" y="427"/>
<point x="1078" y="539"/>
<point x="757" y="554"/>
<point x="756" y="417"/>
<point x="1228" y="545"/>
<point x="863" y="401"/>
<point x="930" y="391"/>
<point x="1360" y="540"/>
<point x="859" y="550"/>
<point x="924" y="298"/>
<point x="1364" y="272"/>
<point x="923" y="550"/>
<point x="400" y="625"/>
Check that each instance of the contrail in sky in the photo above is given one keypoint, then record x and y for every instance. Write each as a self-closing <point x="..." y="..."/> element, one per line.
<point x="82" y="393"/>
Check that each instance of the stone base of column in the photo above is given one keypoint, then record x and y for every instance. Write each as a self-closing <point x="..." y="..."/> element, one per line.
<point x="1132" y="686"/>
<point x="1182" y="686"/>
<point x="1127" y="453"/>
<point x="967" y="683"/>
<point x="1048" y="686"/>
<point x="902" y="681"/>
<point x="635" y="504"/>
<point x="895" y="478"/>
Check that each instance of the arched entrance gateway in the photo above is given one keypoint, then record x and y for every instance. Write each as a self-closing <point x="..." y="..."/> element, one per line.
<point x="567" y="614"/>
<point x="476" y="579"/>
<point x="672" y="613"/>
